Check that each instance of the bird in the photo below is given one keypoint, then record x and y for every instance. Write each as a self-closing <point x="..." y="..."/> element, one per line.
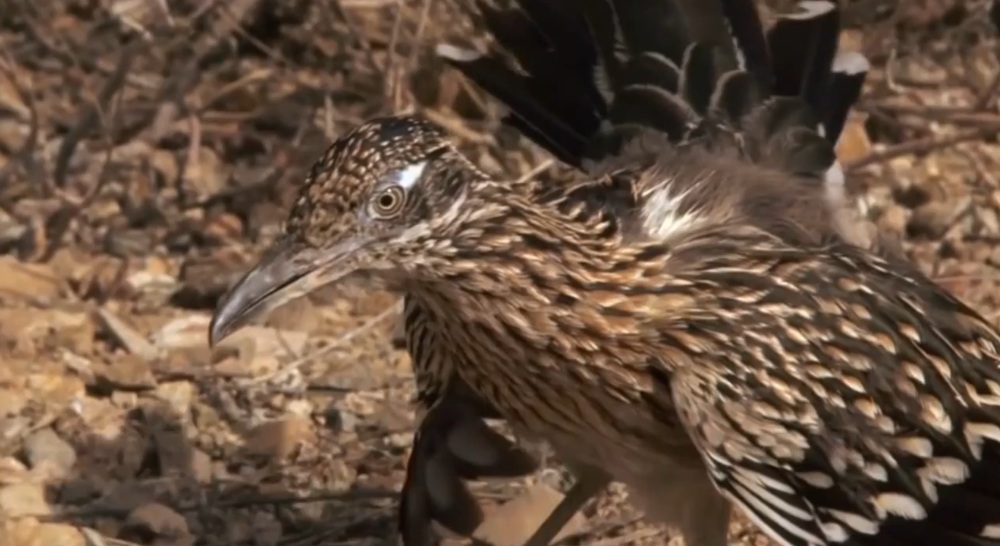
<point x="793" y="75"/>
<point x="796" y="57"/>
<point x="688" y="321"/>
<point x="708" y="353"/>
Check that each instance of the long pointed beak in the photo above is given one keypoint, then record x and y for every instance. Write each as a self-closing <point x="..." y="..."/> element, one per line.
<point x="287" y="271"/>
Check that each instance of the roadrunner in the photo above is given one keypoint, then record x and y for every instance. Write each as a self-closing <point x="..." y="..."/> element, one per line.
<point x="797" y="59"/>
<point x="689" y="322"/>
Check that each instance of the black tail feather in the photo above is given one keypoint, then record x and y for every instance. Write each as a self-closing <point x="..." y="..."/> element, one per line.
<point x="542" y="36"/>
<point x="562" y="126"/>
<point x="736" y="94"/>
<point x="651" y="68"/>
<point x="598" y="70"/>
<point x="747" y="33"/>
<point x="649" y="106"/>
<point x="698" y="77"/>
<point x="849" y="71"/>
<point x="802" y="47"/>
<point x="609" y="44"/>
<point x="564" y="28"/>
<point x="657" y="27"/>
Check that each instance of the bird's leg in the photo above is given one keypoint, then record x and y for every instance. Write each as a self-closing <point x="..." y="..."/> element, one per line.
<point x="589" y="482"/>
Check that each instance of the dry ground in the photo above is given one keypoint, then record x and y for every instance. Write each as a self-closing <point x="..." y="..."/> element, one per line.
<point x="148" y="150"/>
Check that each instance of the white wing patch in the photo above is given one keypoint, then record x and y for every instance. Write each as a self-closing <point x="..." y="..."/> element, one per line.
<point x="662" y="217"/>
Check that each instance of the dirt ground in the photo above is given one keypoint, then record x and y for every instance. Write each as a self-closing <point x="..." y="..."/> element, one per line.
<point x="149" y="150"/>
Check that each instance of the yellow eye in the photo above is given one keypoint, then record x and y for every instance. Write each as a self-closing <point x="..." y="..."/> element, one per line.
<point x="389" y="202"/>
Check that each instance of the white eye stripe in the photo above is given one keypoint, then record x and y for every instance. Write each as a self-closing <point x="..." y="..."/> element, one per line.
<point x="408" y="177"/>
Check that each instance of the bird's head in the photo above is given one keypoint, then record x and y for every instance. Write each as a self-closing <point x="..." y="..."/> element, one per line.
<point x="374" y="200"/>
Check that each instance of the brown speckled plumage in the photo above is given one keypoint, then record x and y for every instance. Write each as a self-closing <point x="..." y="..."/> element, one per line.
<point x="533" y="107"/>
<point x="827" y="392"/>
<point x="697" y="327"/>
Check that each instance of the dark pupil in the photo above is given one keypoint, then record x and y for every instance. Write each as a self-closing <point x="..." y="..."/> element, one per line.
<point x="387" y="200"/>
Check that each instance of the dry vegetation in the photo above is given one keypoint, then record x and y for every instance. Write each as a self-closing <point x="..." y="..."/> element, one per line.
<point x="149" y="149"/>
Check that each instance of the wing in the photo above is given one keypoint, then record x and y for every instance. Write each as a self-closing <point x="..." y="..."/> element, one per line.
<point x="853" y="404"/>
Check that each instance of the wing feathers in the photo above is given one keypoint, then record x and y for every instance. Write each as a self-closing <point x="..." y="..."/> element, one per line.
<point x="874" y="447"/>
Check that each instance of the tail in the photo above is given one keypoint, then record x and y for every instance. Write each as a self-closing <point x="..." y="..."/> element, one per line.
<point x="596" y="73"/>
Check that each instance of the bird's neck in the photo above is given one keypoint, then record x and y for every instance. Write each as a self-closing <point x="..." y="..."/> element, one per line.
<point x="519" y="267"/>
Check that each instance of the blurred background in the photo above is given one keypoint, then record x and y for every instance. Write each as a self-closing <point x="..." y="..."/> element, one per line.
<point x="150" y="148"/>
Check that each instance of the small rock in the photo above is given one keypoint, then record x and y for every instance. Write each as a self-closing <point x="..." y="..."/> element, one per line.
<point x="101" y="279"/>
<point x="125" y="243"/>
<point x="989" y="221"/>
<point x="552" y="477"/>
<point x="30" y="328"/>
<point x="48" y="454"/>
<point x="251" y="342"/>
<point x="188" y="332"/>
<point x="231" y="367"/>
<point x="513" y="522"/>
<point x="28" y="282"/>
<point x="124" y="400"/>
<point x="358" y="403"/>
<point x="201" y="466"/>
<point x="221" y="228"/>
<point x="56" y="389"/>
<point x="29" y="532"/>
<point x="13" y="427"/>
<point x="204" y="175"/>
<point x="157" y="520"/>
<point x="277" y="440"/>
<point x="165" y="165"/>
<point x="340" y="420"/>
<point x="127" y="372"/>
<point x="12" y="471"/>
<point x="172" y="450"/>
<point x="205" y="278"/>
<point x="185" y="362"/>
<point x="893" y="220"/>
<point x="48" y="534"/>
<point x="24" y="499"/>
<point x="933" y="219"/>
<point x="127" y="495"/>
<point x="73" y="330"/>
<point x="399" y="439"/>
<point x="300" y="407"/>
<point x="133" y="341"/>
<point x="266" y="529"/>
<point x="299" y="315"/>
<point x="12" y="401"/>
<point x="179" y="395"/>
<point x="248" y="343"/>
<point x="80" y="489"/>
